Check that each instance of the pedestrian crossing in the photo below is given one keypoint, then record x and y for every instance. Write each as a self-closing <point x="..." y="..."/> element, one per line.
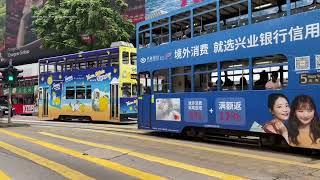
<point x="70" y="173"/>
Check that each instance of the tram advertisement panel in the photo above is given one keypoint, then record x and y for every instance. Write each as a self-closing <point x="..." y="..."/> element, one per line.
<point x="128" y="105"/>
<point x="83" y="91"/>
<point x="295" y="117"/>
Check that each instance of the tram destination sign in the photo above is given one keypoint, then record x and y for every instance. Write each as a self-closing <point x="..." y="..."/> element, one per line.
<point x="313" y="78"/>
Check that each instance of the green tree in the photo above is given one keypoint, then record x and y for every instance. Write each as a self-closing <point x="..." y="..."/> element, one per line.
<point x="63" y="24"/>
<point x="2" y="19"/>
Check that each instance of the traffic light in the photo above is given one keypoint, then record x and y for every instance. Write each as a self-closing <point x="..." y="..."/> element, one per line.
<point x="10" y="74"/>
<point x="15" y="75"/>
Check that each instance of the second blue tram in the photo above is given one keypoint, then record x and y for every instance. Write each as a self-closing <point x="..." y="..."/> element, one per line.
<point x="249" y="66"/>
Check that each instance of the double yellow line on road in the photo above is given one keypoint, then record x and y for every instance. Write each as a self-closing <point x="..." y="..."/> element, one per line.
<point x="208" y="149"/>
<point x="118" y="167"/>
<point x="102" y="162"/>
<point x="59" y="168"/>
<point x="3" y="176"/>
<point x="151" y="158"/>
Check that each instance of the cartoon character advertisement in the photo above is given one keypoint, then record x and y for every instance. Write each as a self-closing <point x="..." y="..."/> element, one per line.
<point x="80" y="91"/>
<point x="128" y="105"/>
<point x="56" y="89"/>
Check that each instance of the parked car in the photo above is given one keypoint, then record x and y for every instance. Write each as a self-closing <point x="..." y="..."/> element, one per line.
<point x="4" y="109"/>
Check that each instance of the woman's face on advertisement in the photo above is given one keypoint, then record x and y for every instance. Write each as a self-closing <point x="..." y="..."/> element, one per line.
<point x="281" y="109"/>
<point x="305" y="115"/>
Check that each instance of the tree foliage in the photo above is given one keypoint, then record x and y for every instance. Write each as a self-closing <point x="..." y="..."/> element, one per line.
<point x="63" y="24"/>
<point x="2" y="19"/>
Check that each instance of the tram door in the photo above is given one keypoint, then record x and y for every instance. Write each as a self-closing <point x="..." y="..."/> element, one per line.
<point x="45" y="101"/>
<point x="114" y="101"/>
<point x="144" y="101"/>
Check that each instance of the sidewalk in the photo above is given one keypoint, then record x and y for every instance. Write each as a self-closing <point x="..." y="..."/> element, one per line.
<point x="19" y="117"/>
<point x="4" y="123"/>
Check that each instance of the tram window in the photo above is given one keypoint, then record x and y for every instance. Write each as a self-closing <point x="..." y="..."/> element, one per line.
<point x="144" y="83"/>
<point x="80" y="92"/>
<point x="51" y="67"/>
<point x="114" y="60"/>
<point x="299" y="6"/>
<point x="160" y="35"/>
<point x="60" y="67"/>
<point x="68" y="66"/>
<point x="144" y="39"/>
<point x="233" y="14"/>
<point x="205" y="74"/>
<point x="70" y="92"/>
<point x="28" y="100"/>
<point x="133" y="58"/>
<point x="264" y="67"/>
<point x="104" y="62"/>
<point x="161" y="81"/>
<point x="20" y="100"/>
<point x="75" y="66"/>
<point x="82" y="65"/>
<point x="180" y="26"/>
<point x="126" y="90"/>
<point x="235" y="75"/>
<point x="203" y="21"/>
<point x="181" y="83"/>
<point x="88" y="92"/>
<point x="134" y="90"/>
<point x="91" y="64"/>
<point x="42" y="68"/>
<point x="15" y="100"/>
<point x="125" y="57"/>
<point x="179" y="70"/>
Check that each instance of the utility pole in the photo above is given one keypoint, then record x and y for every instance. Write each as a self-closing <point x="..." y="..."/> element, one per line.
<point x="10" y="91"/>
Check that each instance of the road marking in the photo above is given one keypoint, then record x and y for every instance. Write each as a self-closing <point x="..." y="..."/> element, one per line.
<point x="59" y="168"/>
<point x="102" y="162"/>
<point x="221" y="151"/>
<point x="147" y="157"/>
<point x="3" y="176"/>
<point x="92" y="127"/>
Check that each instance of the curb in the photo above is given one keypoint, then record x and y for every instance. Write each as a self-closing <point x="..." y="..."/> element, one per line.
<point x="6" y="125"/>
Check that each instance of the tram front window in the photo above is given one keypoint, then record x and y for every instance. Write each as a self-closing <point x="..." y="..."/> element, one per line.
<point x="126" y="90"/>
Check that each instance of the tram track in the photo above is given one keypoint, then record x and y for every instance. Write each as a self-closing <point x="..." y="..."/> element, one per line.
<point x="133" y="130"/>
<point x="81" y="126"/>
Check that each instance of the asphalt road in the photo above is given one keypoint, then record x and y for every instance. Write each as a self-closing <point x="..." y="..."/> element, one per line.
<point x="73" y="150"/>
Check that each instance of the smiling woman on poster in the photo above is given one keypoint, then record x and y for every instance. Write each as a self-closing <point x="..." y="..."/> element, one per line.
<point x="278" y="105"/>
<point x="303" y="124"/>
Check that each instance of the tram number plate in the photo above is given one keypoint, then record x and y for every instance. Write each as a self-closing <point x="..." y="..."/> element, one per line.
<point x="310" y="78"/>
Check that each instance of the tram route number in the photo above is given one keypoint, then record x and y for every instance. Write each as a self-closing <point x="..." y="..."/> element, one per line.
<point x="310" y="78"/>
<point x="229" y="116"/>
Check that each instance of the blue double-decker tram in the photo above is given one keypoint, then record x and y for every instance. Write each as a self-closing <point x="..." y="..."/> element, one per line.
<point x="248" y="67"/>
